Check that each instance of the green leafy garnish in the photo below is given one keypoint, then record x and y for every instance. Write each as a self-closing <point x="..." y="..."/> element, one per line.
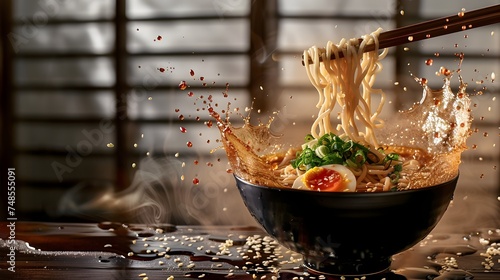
<point x="331" y="149"/>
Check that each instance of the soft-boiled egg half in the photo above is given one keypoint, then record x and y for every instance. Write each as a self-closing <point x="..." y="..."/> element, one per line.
<point x="327" y="178"/>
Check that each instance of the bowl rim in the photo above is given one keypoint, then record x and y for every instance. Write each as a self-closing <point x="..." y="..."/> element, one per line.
<point x="347" y="194"/>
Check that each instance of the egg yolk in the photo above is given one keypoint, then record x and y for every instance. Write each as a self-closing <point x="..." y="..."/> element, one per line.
<point x="323" y="179"/>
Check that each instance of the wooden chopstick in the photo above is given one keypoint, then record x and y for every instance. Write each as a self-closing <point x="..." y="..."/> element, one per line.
<point x="434" y="28"/>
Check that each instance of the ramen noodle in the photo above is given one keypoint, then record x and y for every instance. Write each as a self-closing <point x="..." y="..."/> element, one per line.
<point x="348" y="82"/>
<point x="422" y="147"/>
<point x="348" y="157"/>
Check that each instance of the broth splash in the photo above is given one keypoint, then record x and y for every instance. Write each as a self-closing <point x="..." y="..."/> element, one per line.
<point x="434" y="131"/>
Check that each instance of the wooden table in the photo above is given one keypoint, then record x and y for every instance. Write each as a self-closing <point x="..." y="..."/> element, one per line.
<point x="118" y="251"/>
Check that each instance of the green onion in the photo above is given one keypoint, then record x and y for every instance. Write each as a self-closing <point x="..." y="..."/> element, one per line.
<point x="391" y="156"/>
<point x="395" y="175"/>
<point x="322" y="151"/>
<point x="351" y="163"/>
<point x="360" y="157"/>
<point x="398" y="167"/>
<point x="331" y="149"/>
<point x="308" y="138"/>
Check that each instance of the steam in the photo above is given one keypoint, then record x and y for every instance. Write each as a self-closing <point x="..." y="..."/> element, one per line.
<point x="157" y="194"/>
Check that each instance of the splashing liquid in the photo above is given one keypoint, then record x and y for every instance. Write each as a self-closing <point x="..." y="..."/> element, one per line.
<point x="245" y="147"/>
<point x="438" y="126"/>
<point x="434" y="131"/>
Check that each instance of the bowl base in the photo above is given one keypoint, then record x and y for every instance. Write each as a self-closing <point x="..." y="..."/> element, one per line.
<point x="336" y="267"/>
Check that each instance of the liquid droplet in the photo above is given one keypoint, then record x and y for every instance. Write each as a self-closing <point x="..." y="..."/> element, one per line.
<point x="445" y="71"/>
<point x="183" y="85"/>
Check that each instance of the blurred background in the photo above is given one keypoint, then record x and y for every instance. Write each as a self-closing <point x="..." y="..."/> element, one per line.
<point x="97" y="127"/>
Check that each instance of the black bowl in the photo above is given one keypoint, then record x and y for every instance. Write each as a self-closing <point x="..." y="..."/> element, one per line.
<point x="347" y="233"/>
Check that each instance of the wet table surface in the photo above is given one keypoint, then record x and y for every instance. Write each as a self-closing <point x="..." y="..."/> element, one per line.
<point x="108" y="250"/>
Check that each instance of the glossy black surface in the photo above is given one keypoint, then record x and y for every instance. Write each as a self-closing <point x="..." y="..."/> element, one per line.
<point x="347" y="233"/>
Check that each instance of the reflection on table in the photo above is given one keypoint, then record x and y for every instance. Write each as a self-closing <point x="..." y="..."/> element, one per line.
<point x="126" y="251"/>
